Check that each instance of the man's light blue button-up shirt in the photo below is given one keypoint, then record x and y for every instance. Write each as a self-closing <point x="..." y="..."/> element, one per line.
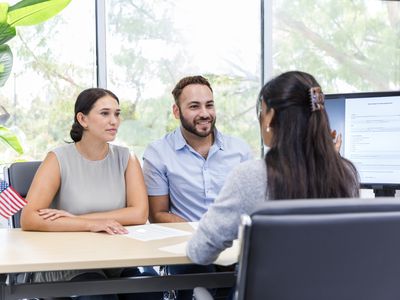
<point x="172" y="167"/>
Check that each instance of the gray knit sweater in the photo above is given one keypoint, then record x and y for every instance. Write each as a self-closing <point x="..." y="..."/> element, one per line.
<point x="244" y="189"/>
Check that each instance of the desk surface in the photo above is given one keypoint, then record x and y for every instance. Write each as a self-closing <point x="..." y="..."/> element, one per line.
<point x="22" y="251"/>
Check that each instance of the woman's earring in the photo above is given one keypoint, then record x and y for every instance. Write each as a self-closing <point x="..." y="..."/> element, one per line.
<point x="267" y="129"/>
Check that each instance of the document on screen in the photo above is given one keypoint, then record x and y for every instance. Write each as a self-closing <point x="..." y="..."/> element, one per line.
<point x="372" y="138"/>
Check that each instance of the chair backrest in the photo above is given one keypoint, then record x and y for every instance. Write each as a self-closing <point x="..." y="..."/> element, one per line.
<point x="20" y="176"/>
<point x="321" y="249"/>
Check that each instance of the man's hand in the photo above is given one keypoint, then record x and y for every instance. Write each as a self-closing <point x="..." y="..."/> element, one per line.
<point x="337" y="140"/>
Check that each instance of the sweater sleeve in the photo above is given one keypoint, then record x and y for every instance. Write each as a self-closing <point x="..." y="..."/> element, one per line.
<point x="219" y="226"/>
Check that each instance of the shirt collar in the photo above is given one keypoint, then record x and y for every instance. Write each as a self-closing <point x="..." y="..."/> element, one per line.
<point x="180" y="141"/>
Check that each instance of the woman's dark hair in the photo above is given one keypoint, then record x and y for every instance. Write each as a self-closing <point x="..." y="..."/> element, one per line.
<point x="302" y="161"/>
<point x="84" y="104"/>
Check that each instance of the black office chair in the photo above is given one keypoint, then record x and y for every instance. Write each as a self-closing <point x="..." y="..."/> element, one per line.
<point x="20" y="176"/>
<point x="321" y="249"/>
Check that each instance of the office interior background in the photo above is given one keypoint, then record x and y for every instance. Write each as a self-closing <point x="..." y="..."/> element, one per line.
<point x="139" y="49"/>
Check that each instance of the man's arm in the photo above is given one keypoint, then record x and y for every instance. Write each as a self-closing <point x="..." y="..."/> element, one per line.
<point x="159" y="210"/>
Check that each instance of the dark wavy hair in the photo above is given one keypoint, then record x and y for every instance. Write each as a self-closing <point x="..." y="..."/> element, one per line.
<point x="302" y="161"/>
<point x="84" y="104"/>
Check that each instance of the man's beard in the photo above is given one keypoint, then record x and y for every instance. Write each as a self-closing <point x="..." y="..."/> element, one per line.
<point x="192" y="127"/>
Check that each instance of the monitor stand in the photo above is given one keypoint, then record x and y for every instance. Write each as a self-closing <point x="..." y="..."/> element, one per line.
<point x="384" y="192"/>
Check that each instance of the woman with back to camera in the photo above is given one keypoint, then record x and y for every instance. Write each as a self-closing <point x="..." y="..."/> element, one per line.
<point x="88" y="185"/>
<point x="302" y="162"/>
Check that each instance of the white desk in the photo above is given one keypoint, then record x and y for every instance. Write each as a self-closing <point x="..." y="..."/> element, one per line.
<point x="22" y="251"/>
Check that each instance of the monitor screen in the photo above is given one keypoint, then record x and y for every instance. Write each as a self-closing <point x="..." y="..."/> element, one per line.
<point x="370" y="128"/>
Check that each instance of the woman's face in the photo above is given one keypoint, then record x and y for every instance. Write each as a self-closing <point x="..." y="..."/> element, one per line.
<point x="265" y="124"/>
<point x="103" y="120"/>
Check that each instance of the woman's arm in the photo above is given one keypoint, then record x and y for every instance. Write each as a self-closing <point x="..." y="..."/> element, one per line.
<point x="137" y="207"/>
<point x="43" y="189"/>
<point x="244" y="188"/>
<point x="41" y="193"/>
<point x="219" y="225"/>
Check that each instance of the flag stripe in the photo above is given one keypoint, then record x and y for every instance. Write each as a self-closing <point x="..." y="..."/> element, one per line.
<point x="16" y="198"/>
<point x="5" y="210"/>
<point x="3" y="205"/>
<point x="6" y="216"/>
<point x="8" y="199"/>
<point x="6" y="205"/>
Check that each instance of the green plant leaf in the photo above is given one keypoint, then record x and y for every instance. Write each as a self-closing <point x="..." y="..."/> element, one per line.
<point x="8" y="137"/>
<point x="3" y="12"/>
<point x="34" y="12"/>
<point x="6" y="33"/>
<point x="6" y="62"/>
<point x="25" y="3"/>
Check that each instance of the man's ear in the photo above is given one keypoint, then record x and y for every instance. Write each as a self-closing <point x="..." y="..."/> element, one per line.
<point x="81" y="119"/>
<point x="175" y="110"/>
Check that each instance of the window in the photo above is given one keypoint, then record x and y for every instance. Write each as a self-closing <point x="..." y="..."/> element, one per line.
<point x="53" y="62"/>
<point x="349" y="46"/>
<point x="152" y="44"/>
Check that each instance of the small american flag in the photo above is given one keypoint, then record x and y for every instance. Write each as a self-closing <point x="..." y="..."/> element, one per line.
<point x="10" y="201"/>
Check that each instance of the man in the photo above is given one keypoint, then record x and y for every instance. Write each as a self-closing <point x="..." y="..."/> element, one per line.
<point x="185" y="170"/>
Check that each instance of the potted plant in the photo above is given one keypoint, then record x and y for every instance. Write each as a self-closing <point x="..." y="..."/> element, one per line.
<point x="23" y="13"/>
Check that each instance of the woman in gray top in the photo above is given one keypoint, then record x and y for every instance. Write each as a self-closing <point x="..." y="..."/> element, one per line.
<point x="302" y="162"/>
<point x="88" y="185"/>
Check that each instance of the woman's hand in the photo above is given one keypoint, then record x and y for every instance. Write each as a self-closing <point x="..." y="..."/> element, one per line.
<point x="52" y="214"/>
<point x="337" y="140"/>
<point x="109" y="226"/>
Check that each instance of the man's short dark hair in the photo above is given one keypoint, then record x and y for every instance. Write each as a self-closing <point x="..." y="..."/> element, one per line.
<point x="185" y="81"/>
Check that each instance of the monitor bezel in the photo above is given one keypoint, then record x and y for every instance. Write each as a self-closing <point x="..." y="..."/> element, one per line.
<point x="377" y="185"/>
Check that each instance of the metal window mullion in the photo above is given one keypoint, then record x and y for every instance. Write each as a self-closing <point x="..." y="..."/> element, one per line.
<point x="101" y="58"/>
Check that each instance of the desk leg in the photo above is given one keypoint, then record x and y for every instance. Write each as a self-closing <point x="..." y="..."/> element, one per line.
<point x="3" y="278"/>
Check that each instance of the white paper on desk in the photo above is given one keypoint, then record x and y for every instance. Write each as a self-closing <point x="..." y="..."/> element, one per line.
<point x="228" y="257"/>
<point x="151" y="232"/>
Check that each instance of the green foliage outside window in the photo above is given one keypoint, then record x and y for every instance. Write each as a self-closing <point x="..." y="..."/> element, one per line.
<point x="349" y="46"/>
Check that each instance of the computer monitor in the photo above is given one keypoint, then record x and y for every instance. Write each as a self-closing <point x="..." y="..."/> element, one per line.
<point x="370" y="127"/>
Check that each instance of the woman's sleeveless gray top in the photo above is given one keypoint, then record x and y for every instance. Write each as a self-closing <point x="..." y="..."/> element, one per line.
<point x="91" y="186"/>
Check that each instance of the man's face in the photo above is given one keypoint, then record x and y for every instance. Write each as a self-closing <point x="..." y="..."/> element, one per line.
<point x="196" y="110"/>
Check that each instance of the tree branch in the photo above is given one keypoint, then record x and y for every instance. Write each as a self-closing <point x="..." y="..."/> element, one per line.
<point x="46" y="68"/>
<point x="344" y="59"/>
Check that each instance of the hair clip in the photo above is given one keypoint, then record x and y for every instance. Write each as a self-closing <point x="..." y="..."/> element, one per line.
<point x="317" y="99"/>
